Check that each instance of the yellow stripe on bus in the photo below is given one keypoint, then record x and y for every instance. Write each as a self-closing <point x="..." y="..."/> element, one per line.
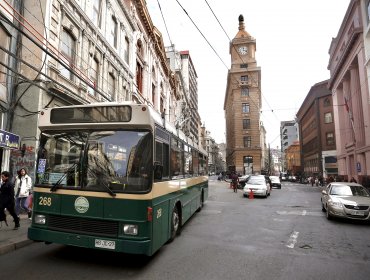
<point x="159" y="189"/>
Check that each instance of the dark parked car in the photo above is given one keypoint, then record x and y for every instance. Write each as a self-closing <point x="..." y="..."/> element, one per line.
<point x="275" y="182"/>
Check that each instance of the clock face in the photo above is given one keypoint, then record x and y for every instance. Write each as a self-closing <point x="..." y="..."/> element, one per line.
<point x="243" y="50"/>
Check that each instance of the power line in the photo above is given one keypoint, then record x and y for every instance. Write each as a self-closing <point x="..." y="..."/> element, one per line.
<point x="204" y="37"/>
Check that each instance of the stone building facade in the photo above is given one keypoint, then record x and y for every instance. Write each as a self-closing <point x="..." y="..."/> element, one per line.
<point x="348" y="66"/>
<point x="317" y="133"/>
<point x="82" y="51"/>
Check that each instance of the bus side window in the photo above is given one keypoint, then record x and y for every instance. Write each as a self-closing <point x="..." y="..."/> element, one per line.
<point x="177" y="159"/>
<point x="195" y="161"/>
<point x="188" y="161"/>
<point x="161" y="159"/>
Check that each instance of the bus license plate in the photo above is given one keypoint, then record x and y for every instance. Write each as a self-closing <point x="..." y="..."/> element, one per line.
<point x="106" y="244"/>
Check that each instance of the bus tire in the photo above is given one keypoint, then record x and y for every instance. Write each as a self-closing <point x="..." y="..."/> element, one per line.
<point x="175" y="223"/>
<point x="201" y="203"/>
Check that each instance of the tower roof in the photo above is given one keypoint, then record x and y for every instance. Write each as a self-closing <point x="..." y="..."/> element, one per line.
<point x="241" y="33"/>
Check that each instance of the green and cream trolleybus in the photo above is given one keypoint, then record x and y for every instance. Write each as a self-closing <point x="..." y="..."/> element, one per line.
<point x="114" y="176"/>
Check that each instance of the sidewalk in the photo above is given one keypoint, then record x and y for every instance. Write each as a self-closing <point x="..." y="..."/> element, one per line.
<point x="10" y="239"/>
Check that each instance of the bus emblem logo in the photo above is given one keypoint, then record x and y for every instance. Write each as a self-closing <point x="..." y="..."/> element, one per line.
<point x="81" y="204"/>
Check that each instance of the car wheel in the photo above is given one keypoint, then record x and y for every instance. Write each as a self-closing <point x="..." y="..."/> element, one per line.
<point x="328" y="216"/>
<point x="175" y="223"/>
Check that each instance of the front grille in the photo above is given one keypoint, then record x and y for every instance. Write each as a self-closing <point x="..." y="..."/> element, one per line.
<point x="359" y="207"/>
<point x="83" y="225"/>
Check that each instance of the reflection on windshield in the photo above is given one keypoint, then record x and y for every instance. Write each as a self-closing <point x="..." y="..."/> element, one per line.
<point x="95" y="160"/>
<point x="349" y="191"/>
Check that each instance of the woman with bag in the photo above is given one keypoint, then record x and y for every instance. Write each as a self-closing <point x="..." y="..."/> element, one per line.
<point x="22" y="189"/>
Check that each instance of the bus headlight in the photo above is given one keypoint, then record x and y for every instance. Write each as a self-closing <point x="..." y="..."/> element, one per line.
<point x="40" y="219"/>
<point x="130" y="229"/>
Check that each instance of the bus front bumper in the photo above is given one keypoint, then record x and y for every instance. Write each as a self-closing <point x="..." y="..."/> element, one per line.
<point x="88" y="241"/>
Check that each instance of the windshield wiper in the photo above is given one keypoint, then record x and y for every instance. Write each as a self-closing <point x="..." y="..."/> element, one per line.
<point x="105" y="185"/>
<point x="55" y="186"/>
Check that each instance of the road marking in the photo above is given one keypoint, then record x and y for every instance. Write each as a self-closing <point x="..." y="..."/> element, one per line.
<point x="292" y="239"/>
<point x="304" y="212"/>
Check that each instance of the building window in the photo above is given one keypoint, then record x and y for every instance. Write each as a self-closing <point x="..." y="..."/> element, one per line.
<point x="161" y="105"/>
<point x="247" y="160"/>
<point x="139" y="77"/>
<point x="328" y="118"/>
<point x="244" y="65"/>
<point x="326" y="102"/>
<point x="4" y="42"/>
<point x="247" y="141"/>
<point x="96" y="13"/>
<point x="246" y="123"/>
<point x="67" y="49"/>
<point x="126" y="51"/>
<point x="153" y="94"/>
<point x="111" y="85"/>
<point x="113" y="32"/>
<point x="94" y="75"/>
<point x="125" y="95"/>
<point x="245" y="107"/>
<point x="245" y="91"/>
<point x="330" y="138"/>
<point x="368" y="11"/>
<point x="244" y="78"/>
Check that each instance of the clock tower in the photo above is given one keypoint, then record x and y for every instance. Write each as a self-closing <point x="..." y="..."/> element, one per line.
<point x="242" y="105"/>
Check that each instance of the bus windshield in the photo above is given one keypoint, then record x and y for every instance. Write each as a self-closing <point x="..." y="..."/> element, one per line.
<point x="96" y="160"/>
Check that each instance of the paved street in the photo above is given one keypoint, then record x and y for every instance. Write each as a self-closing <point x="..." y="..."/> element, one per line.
<point x="285" y="236"/>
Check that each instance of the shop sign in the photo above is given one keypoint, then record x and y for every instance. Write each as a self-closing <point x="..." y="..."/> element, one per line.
<point x="9" y="140"/>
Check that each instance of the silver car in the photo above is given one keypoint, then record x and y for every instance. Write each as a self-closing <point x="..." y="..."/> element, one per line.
<point x="346" y="200"/>
<point x="258" y="184"/>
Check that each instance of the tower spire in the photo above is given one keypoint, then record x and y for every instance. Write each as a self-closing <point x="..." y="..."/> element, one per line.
<point x="241" y="33"/>
<point x="241" y="23"/>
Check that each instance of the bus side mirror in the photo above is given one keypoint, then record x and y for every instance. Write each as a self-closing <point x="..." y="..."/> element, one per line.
<point x="158" y="171"/>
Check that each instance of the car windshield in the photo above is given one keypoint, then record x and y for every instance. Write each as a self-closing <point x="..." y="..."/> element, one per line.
<point x="104" y="160"/>
<point x="349" y="191"/>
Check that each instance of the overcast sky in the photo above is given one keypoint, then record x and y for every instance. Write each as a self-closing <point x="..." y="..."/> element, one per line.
<point x="293" y="39"/>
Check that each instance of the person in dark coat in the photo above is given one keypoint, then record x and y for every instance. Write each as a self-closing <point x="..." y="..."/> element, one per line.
<point x="7" y="199"/>
<point x="235" y="181"/>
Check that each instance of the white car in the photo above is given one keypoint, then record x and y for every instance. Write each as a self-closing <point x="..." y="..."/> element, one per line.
<point x="346" y="200"/>
<point x="258" y="184"/>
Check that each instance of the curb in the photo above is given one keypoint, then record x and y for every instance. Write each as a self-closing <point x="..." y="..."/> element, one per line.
<point x="14" y="245"/>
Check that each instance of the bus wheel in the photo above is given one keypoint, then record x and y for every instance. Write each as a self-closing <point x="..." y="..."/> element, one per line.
<point x="201" y="202"/>
<point x="175" y="223"/>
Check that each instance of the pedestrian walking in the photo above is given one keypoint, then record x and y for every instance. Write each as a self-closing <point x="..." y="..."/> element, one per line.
<point x="7" y="199"/>
<point x="22" y="190"/>
<point x="353" y="180"/>
<point x="235" y="181"/>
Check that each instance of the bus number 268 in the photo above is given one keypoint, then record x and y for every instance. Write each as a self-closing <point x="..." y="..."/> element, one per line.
<point x="44" y="201"/>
